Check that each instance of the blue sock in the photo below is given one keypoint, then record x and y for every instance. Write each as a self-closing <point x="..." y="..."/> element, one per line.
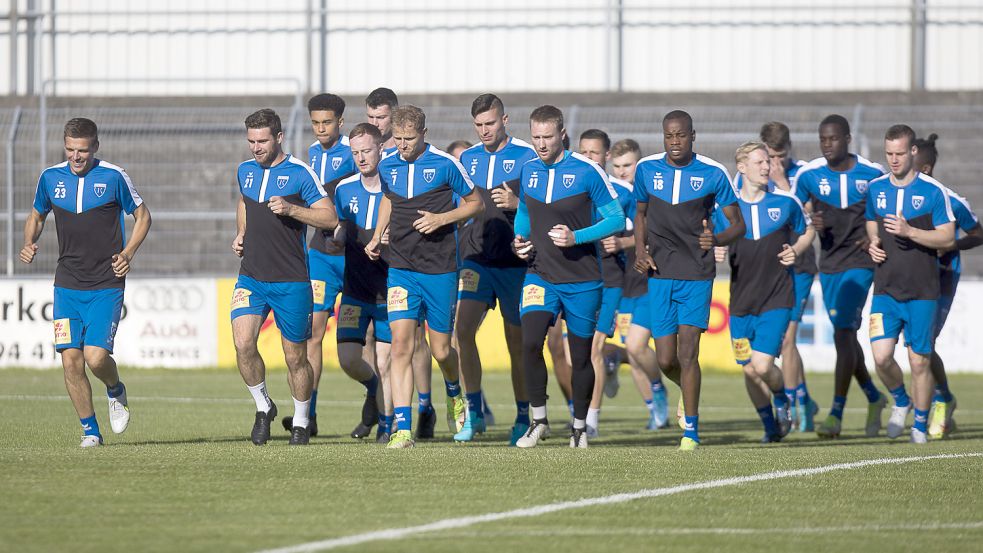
<point x="921" y="420"/>
<point x="382" y="422"/>
<point x="870" y="391"/>
<point x="453" y="388"/>
<point x="692" y="428"/>
<point x="522" y="412"/>
<point x="90" y="426"/>
<point x="650" y="405"/>
<point x="900" y="396"/>
<point x="474" y="405"/>
<point x="371" y="385"/>
<point x="781" y="400"/>
<point x="404" y="418"/>
<point x="657" y="385"/>
<point x="802" y="394"/>
<point x="312" y="411"/>
<point x="485" y="408"/>
<point x="116" y="390"/>
<point x="424" y="403"/>
<point x="942" y="393"/>
<point x="790" y="395"/>
<point x="767" y="417"/>
<point x="839" y="402"/>
<point x="388" y="422"/>
<point x="570" y="406"/>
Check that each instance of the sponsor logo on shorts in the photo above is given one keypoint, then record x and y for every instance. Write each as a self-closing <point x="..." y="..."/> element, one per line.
<point x="318" y="287"/>
<point x="742" y="349"/>
<point x="397" y="299"/>
<point x="240" y="298"/>
<point x="533" y="295"/>
<point x="876" y="325"/>
<point x="349" y="315"/>
<point x="624" y="323"/>
<point x="468" y="282"/>
<point x="63" y="331"/>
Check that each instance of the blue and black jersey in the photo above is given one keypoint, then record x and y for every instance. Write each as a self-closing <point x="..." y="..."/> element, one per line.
<point x="840" y="196"/>
<point x="966" y="221"/>
<point x="487" y="239"/>
<point x="89" y="213"/>
<point x="273" y="247"/>
<point x="429" y="183"/>
<point x="567" y="192"/>
<point x="614" y="265"/>
<point x="331" y="166"/>
<point x="679" y="200"/>
<point x="758" y="280"/>
<point x="358" y="213"/>
<point x="911" y="270"/>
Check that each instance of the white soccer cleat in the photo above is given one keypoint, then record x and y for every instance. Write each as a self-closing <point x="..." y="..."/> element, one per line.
<point x="91" y="441"/>
<point x="578" y="439"/>
<point x="918" y="437"/>
<point x="538" y="431"/>
<point x="119" y="413"/>
<point x="896" y="422"/>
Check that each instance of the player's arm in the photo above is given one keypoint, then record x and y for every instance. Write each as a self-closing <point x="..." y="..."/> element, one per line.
<point x="321" y="214"/>
<point x="804" y="242"/>
<point x="141" y="226"/>
<point x="874" y="242"/>
<point x="32" y="231"/>
<point x="973" y="238"/>
<point x="470" y="206"/>
<point x="240" y="227"/>
<point x="523" y="228"/>
<point x="643" y="261"/>
<point x="735" y="228"/>
<point x="505" y="197"/>
<point x="611" y="219"/>
<point x="941" y="237"/>
<point x="381" y="227"/>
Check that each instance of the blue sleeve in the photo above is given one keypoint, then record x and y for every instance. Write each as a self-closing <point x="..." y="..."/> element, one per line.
<point x="641" y="188"/>
<point x="310" y="188"/>
<point x="612" y="221"/>
<point x="42" y="203"/>
<point x="521" y="224"/>
<point x="965" y="218"/>
<point x="797" y="220"/>
<point x="869" y="212"/>
<point x="942" y="210"/>
<point x="718" y="219"/>
<point x="126" y="194"/>
<point x="458" y="179"/>
<point x="801" y="187"/>
<point x="599" y="189"/>
<point x="725" y="191"/>
<point x="338" y="203"/>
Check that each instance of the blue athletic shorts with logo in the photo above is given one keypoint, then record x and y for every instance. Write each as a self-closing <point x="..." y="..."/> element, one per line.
<point x="762" y="333"/>
<point x="578" y="302"/>
<point x="327" y="276"/>
<point x="888" y="317"/>
<point x="486" y="284"/>
<point x="86" y="317"/>
<point x="423" y="297"/>
<point x="844" y="295"/>
<point x="291" y="303"/>
<point x="354" y="317"/>
<point x="626" y="316"/>
<point x="610" y="301"/>
<point x="949" y="281"/>
<point x="802" y="283"/>
<point x="678" y="302"/>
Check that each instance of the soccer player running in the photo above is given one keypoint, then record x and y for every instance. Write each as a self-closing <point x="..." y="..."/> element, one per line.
<point x="676" y="192"/>
<point x="834" y="188"/>
<point x="762" y="291"/>
<point x="363" y="297"/>
<point x="88" y="196"/>
<point x="280" y="196"/>
<point x="562" y="194"/>
<point x="491" y="271"/>
<point x="418" y="209"/>
<point x="908" y="220"/>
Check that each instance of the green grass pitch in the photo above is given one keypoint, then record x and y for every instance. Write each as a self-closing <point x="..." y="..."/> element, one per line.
<point x="184" y="476"/>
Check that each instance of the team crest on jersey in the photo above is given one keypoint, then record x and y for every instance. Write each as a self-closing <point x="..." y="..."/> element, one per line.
<point x="917" y="201"/>
<point x="429" y="174"/>
<point x="99" y="188"/>
<point x="534" y="179"/>
<point x="862" y="186"/>
<point x="696" y="183"/>
<point x="281" y="181"/>
<point x="508" y="165"/>
<point x="568" y="180"/>
<point x="335" y="163"/>
<point x="774" y="213"/>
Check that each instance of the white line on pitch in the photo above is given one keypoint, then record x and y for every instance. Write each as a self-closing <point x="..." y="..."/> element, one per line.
<point x="462" y="522"/>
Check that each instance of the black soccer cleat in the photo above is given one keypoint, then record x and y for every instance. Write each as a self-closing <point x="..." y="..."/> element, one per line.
<point x="299" y="436"/>
<point x="370" y="417"/>
<point x="288" y="424"/>
<point x="771" y="438"/>
<point x="261" y="427"/>
<point x="426" y="423"/>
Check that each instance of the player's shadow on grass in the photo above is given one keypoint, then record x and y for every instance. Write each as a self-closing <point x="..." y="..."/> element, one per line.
<point x="186" y="441"/>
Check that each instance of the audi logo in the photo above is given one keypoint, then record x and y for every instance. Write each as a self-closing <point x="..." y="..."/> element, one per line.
<point x="167" y="298"/>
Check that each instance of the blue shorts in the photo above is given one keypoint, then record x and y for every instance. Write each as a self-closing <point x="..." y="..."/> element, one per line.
<point x="949" y="281"/>
<point x="844" y="295"/>
<point x="678" y="302"/>
<point x="423" y="297"/>
<point x="291" y="303"/>
<point x="610" y="301"/>
<point x="86" y="317"/>
<point x="579" y="302"/>
<point x="626" y="316"/>
<point x="354" y="317"/>
<point x="802" y="282"/>
<point x="327" y="276"/>
<point x="762" y="333"/>
<point x="486" y="284"/>
<point x="889" y="316"/>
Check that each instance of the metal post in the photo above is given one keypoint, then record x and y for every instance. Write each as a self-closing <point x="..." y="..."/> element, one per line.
<point x="31" y="60"/>
<point x="11" y="134"/>
<point x="13" y="48"/>
<point x="309" y="43"/>
<point x="43" y="122"/>
<point x="52" y="39"/>
<point x="620" y="59"/>
<point x="323" y="39"/>
<point x="609" y="77"/>
<point x="917" y="45"/>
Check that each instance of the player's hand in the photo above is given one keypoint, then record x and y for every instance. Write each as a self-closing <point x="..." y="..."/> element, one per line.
<point x="720" y="254"/>
<point x="897" y="225"/>
<point x="385" y="237"/>
<point x="428" y="222"/>
<point x="28" y="252"/>
<point x="562" y="236"/>
<point x="787" y="256"/>
<point x="237" y="245"/>
<point x="372" y="249"/>
<point x="523" y="248"/>
<point x="818" y="221"/>
<point x="280" y="206"/>
<point x="611" y="244"/>
<point x="863" y="244"/>
<point x="875" y="251"/>
<point x="121" y="264"/>
<point x="503" y="198"/>
<point x="644" y="261"/>
<point x="707" y="240"/>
